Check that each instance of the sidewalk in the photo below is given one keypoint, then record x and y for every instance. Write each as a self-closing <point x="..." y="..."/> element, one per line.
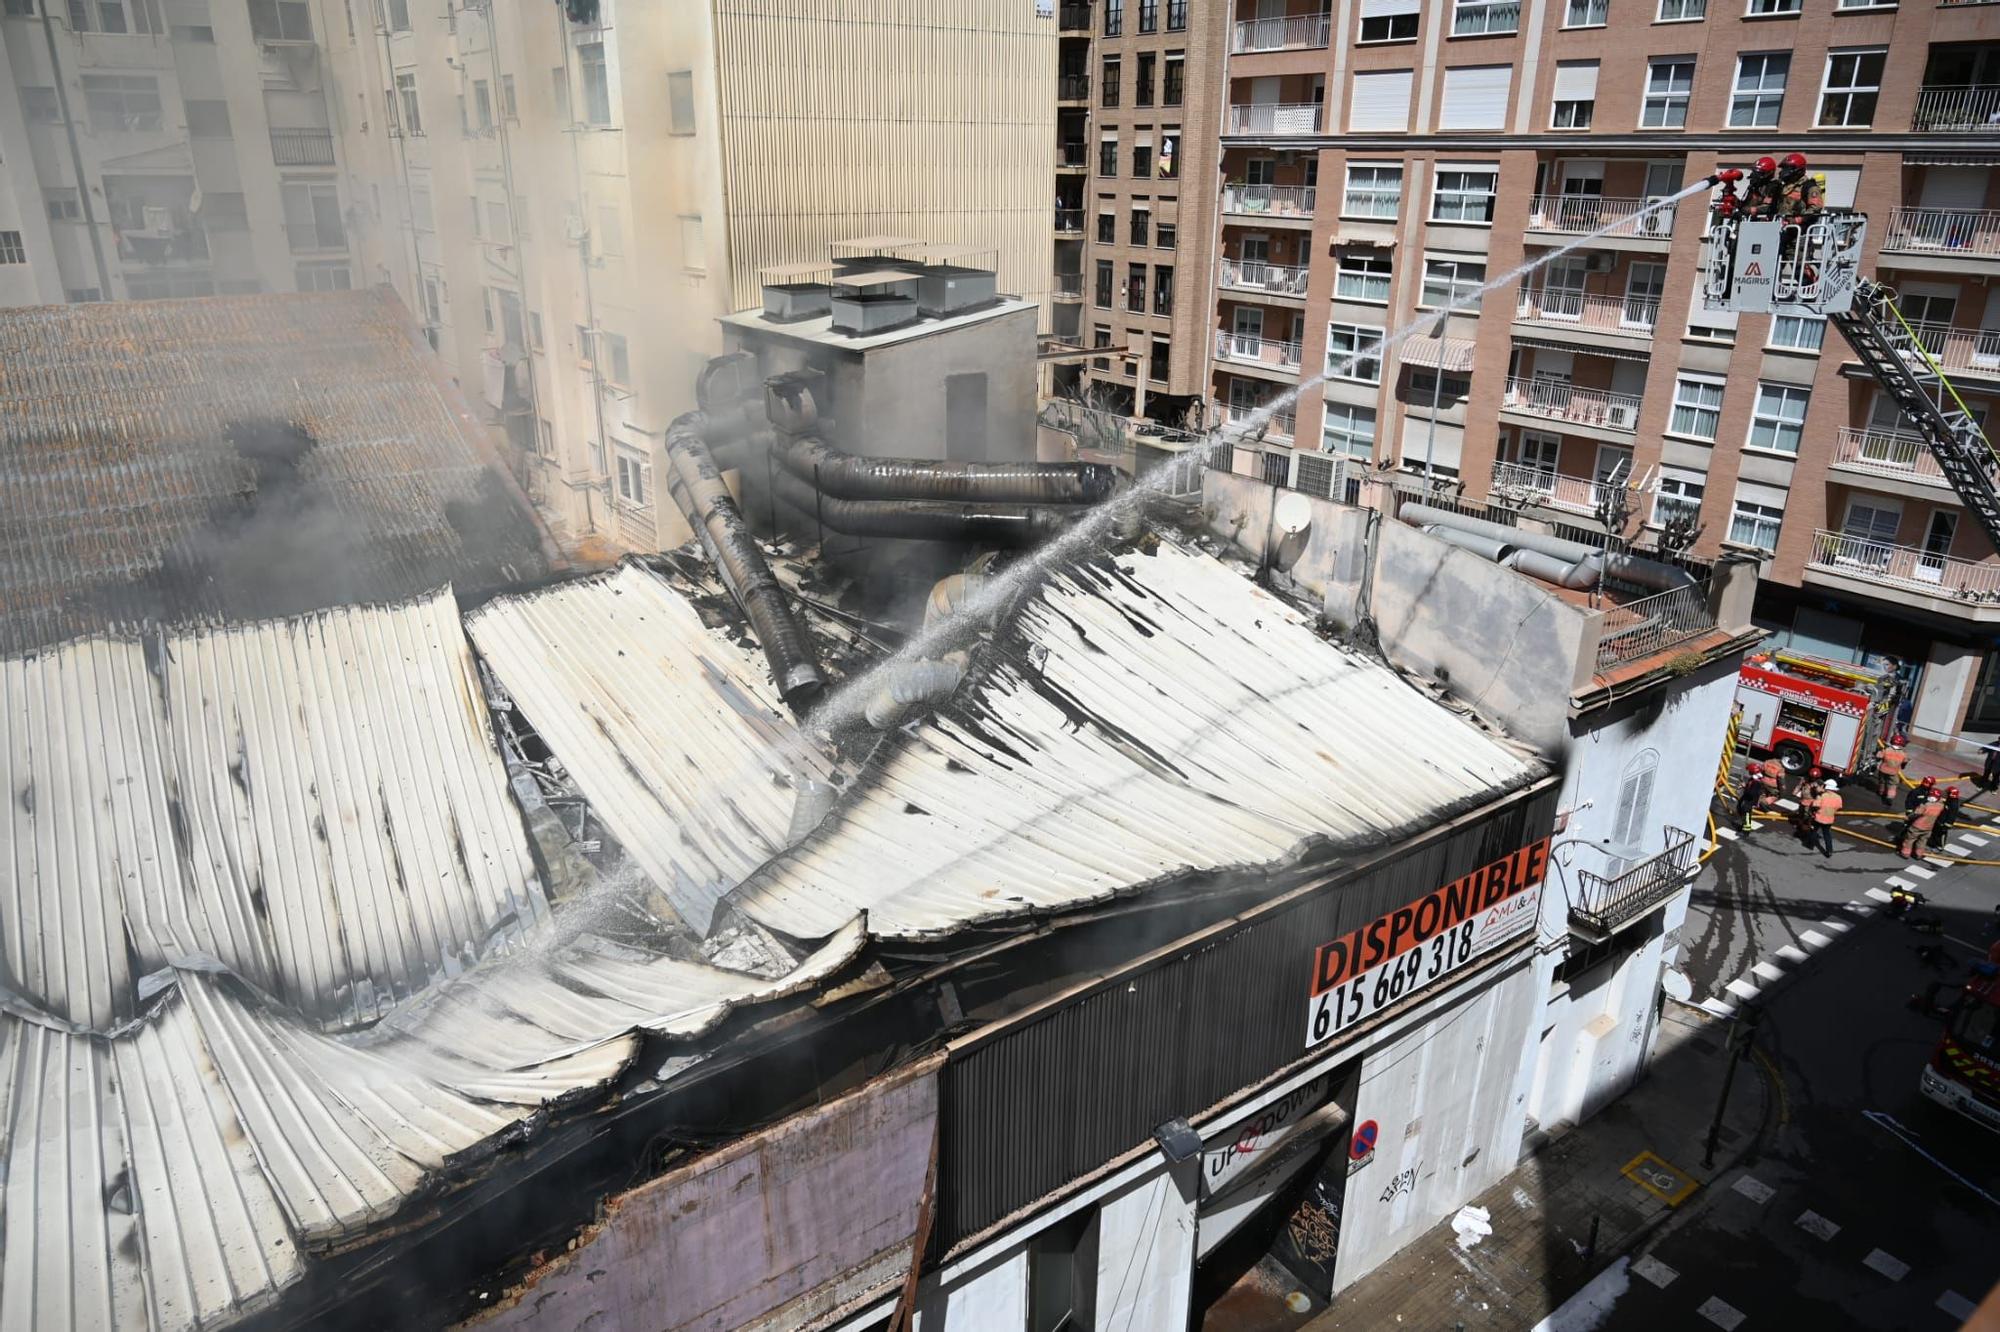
<point x="1542" y="1214"/>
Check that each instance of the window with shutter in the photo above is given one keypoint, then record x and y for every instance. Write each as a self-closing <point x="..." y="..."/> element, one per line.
<point x="1381" y="101"/>
<point x="1634" y="814"/>
<point x="1475" y="97"/>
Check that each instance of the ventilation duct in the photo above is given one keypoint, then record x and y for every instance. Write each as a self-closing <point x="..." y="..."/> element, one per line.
<point x="848" y="476"/>
<point x="920" y="520"/>
<point x="1582" y="565"/>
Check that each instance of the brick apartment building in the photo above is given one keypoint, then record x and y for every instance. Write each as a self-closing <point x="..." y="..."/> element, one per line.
<point x="1380" y="158"/>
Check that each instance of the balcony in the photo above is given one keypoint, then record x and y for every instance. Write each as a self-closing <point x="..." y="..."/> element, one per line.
<point x="1274" y="118"/>
<point x="1572" y="494"/>
<point x="1606" y="903"/>
<point x="316" y="237"/>
<point x="171" y="246"/>
<point x="1069" y="223"/>
<point x="1072" y="87"/>
<point x="1305" y="32"/>
<point x="1960" y="351"/>
<point x="1074" y="16"/>
<point x="1584" y="214"/>
<point x="1072" y="157"/>
<point x="1893" y="456"/>
<point x="1633" y="315"/>
<point x="1961" y="109"/>
<point x="1069" y="286"/>
<point x="1952" y="240"/>
<point x="1554" y="400"/>
<point x="1916" y="577"/>
<point x="1262" y="279"/>
<point x="1634" y="631"/>
<point x="1270" y="201"/>
<point x="1249" y="349"/>
<point x="301" y="147"/>
<point x="1279" y="426"/>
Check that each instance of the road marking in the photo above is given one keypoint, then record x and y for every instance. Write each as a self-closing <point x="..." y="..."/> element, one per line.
<point x="1968" y="947"/>
<point x="1956" y="1305"/>
<point x="1921" y="872"/>
<point x="1815" y="1224"/>
<point x="1935" y="858"/>
<point x="1814" y="940"/>
<point x="1878" y="895"/>
<point x="1836" y="924"/>
<point x="1665" y="1181"/>
<point x="1791" y="954"/>
<point x="1889" y="1266"/>
<point x="1660" y="1274"/>
<point x="1742" y="989"/>
<point x="1756" y="1190"/>
<point x="1726" y="833"/>
<point x="1974" y="838"/>
<point x="1894" y="882"/>
<point x="1910" y="1140"/>
<point x="1766" y="972"/>
<point x="1719" y="1313"/>
<point x="1957" y="849"/>
<point x="1721" y="1008"/>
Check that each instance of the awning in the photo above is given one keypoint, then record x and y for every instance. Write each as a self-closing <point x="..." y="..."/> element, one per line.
<point x="1595" y="349"/>
<point x="1952" y="159"/>
<point x="1455" y="354"/>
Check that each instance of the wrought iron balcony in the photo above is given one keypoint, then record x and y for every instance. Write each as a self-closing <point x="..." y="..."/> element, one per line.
<point x="1968" y="108"/>
<point x="1898" y="454"/>
<point x="1651" y="625"/>
<point x="1905" y="568"/>
<point x="1579" y="214"/>
<point x="1274" y="118"/>
<point x="301" y="147"/>
<point x="1260" y="278"/>
<point x="1269" y="200"/>
<point x="1249" y="349"/>
<point x="1576" y="494"/>
<point x="1972" y="232"/>
<point x="1303" y="32"/>
<point x="1574" y="309"/>
<point x="1606" y="903"/>
<point x="1560" y="401"/>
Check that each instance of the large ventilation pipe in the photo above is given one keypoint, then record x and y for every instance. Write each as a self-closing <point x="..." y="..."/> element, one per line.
<point x="695" y="483"/>
<point x="1576" y="576"/>
<point x="1485" y="547"/>
<point x="920" y="520"/>
<point x="1634" y="569"/>
<point x="851" y="477"/>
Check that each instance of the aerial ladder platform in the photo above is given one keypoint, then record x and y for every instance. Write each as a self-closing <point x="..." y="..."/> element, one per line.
<point x="1810" y="265"/>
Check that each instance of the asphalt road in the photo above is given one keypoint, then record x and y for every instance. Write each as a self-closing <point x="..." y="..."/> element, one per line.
<point x="1863" y="1206"/>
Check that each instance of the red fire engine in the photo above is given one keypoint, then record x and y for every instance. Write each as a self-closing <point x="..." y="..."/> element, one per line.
<point x="1808" y="710"/>
<point x="1964" y="1071"/>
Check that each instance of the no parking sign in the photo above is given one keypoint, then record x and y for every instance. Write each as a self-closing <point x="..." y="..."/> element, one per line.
<point x="1362" y="1149"/>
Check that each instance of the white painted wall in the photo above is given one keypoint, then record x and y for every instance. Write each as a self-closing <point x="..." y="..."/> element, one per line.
<point x="1145" y="1252"/>
<point x="1596" y="1034"/>
<point x="1445" y="1096"/>
<point x="991" y="1299"/>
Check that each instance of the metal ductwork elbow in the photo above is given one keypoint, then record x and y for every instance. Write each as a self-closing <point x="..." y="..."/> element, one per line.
<point x="695" y="483"/>
<point x="909" y="684"/>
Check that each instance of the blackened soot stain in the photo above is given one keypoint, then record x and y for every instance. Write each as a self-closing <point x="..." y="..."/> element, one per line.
<point x="458" y="850"/>
<point x="1082" y="634"/>
<point x="1080" y="716"/>
<point x="630" y="767"/>
<point x="26" y="798"/>
<point x="177" y="821"/>
<point x="258" y="903"/>
<point x="953" y="765"/>
<point x="909" y="808"/>
<point x="971" y="723"/>
<point x="395" y="852"/>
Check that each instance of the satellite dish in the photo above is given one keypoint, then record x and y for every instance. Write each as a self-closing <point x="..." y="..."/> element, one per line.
<point x="1294" y="513"/>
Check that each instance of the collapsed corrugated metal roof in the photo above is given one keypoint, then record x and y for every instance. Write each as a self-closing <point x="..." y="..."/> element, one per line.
<point x="237" y="456"/>
<point x="1145" y="716"/>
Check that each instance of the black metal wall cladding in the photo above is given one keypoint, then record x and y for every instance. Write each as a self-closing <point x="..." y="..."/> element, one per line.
<point x="1046" y="1102"/>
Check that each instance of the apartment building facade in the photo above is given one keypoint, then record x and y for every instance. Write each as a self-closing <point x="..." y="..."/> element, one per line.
<point x="572" y="195"/>
<point x="1139" y="92"/>
<point x="154" y="149"/>
<point x="1459" y="139"/>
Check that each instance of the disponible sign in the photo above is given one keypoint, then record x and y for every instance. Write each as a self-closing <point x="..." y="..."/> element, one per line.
<point x="1400" y="953"/>
<point x="1249" y="1143"/>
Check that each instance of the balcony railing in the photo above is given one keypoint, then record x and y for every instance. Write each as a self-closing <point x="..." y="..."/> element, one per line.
<point x="1945" y="230"/>
<point x="1605" y="903"/>
<point x="301" y="147"/>
<point x="1581" y="406"/>
<point x="1574" y="309"/>
<point x="1269" y="200"/>
<point x="186" y="244"/>
<point x="1074" y="16"/>
<point x="1974" y="351"/>
<point x="1072" y="156"/>
<point x="1264" y="279"/>
<point x="315" y="238"/>
<point x="1069" y="221"/>
<point x="1070" y="285"/>
<point x="1651" y="625"/>
<point x="1304" y="32"/>
<point x="1280" y="425"/>
<point x="1579" y="214"/>
<point x="1964" y="109"/>
<point x="1574" y="493"/>
<point x="1274" y="118"/>
<point x="1072" y="87"/>
<point x="1892" y="453"/>
<point x="1906" y="568"/>
<point x="1249" y="349"/>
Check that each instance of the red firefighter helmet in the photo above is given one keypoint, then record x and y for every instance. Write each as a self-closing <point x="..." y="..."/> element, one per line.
<point x="1952" y="792"/>
<point x="1765" y="166"/>
<point x="1794" y="162"/>
<point x="1896" y="739"/>
<point x="1928" y="782"/>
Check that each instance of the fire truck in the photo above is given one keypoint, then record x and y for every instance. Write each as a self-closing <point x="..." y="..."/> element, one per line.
<point x="1807" y="710"/>
<point x="1964" y="1071"/>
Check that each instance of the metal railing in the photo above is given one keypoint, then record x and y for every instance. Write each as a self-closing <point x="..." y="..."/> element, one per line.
<point x="1606" y="902"/>
<point x="1575" y="309"/>
<point x="1907" y="567"/>
<point x="1264" y="278"/>
<point x="1249" y="349"/>
<point x="1281" y="425"/>
<point x="1959" y="350"/>
<point x="1652" y="625"/>
<point x="1074" y="16"/>
<point x="1301" y="32"/>
<point x="187" y="244"/>
<point x="1580" y="213"/>
<point x="1073" y="155"/>
<point x="1274" y="118"/>
<point x="1956" y="230"/>
<point x="1069" y="221"/>
<point x="1894" y="453"/>
<point x="1070" y="285"/>
<point x="1565" y="402"/>
<point x="1072" y="87"/>
<point x="1270" y="200"/>
<point x="301" y="147"/>
<point x="1577" y="494"/>
<point x="1964" y="109"/>
<point x="314" y="238"/>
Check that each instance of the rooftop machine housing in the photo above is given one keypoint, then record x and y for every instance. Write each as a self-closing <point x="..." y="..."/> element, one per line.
<point x="869" y="254"/>
<point x="957" y="278"/>
<point x="874" y="301"/>
<point x="796" y="291"/>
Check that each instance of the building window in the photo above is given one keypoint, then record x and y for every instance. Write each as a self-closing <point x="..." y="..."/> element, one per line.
<point x="1135" y="288"/>
<point x="1142" y="160"/>
<point x="207" y="119"/>
<point x="1159" y="361"/>
<point x="535" y="332"/>
<point x="1141" y="221"/>
<point x="114" y="16"/>
<point x="1764" y="7"/>
<point x="122" y="102"/>
<point x="433" y="301"/>
<point x="596" y="83"/>
<point x="1149" y="15"/>
<point x="1348" y="429"/>
<point x="12" y="251"/>
<point x="680" y="102"/>
<point x="1373" y="191"/>
<point x="1100" y="336"/>
<point x="482" y="106"/>
<point x="1108" y="88"/>
<point x="1165" y="236"/>
<point x="1586" y="13"/>
<point x="559" y="90"/>
<point x="1778" y="419"/>
<point x="1107" y="228"/>
<point x="1760" y="89"/>
<point x="1476" y="18"/>
<point x="1401" y="27"/>
<point x="63" y="205"/>
<point x="1755" y="525"/>
<point x="1573" y="112"/>
<point x="1426" y="386"/>
<point x="18" y="9"/>
<point x="1114" y="18"/>
<point x="1173" y="82"/>
<point x="1107" y="157"/>
<point x="1669" y="83"/>
<point x="1169" y="159"/>
<point x="321" y="277"/>
<point x="1464" y="194"/>
<point x="1142" y="80"/>
<point x="1362" y="275"/>
<point x="1853" y="80"/>
<point x="406" y="94"/>
<point x="617" y="366"/>
<point x="1697" y="408"/>
<point x="1797" y="332"/>
<point x="1354" y="352"/>
<point x="82" y="295"/>
<point x="1105" y="280"/>
<point x="41" y="106"/>
<point x="283" y="20"/>
<point x="1177" y="15"/>
<point x="199" y="34"/>
<point x="1163" y="289"/>
<point x="1449" y="281"/>
<point x="1683" y="11"/>
<point x="634" y="476"/>
<point x="1677" y="497"/>
<point x="508" y="106"/>
<point x="694" y="245"/>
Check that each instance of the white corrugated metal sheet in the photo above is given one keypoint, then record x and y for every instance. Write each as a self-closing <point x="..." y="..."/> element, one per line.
<point x="673" y="730"/>
<point x="1152" y="714"/>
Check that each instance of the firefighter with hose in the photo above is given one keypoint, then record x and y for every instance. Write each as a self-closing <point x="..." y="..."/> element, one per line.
<point x="1890" y="760"/>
